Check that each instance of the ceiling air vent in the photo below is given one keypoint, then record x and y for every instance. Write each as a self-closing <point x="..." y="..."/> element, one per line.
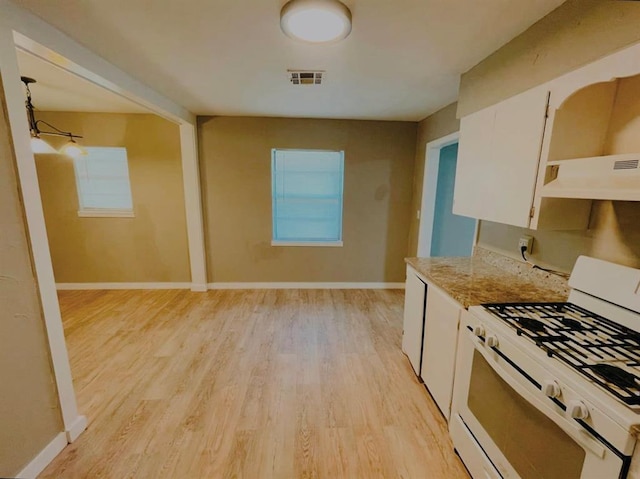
<point x="626" y="164"/>
<point x="305" y="77"/>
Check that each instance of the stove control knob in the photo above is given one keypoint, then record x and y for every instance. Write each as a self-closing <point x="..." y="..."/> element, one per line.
<point x="551" y="389"/>
<point x="492" y="341"/>
<point x="478" y="330"/>
<point x="577" y="410"/>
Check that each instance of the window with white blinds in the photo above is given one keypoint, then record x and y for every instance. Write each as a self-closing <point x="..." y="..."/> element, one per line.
<point x="307" y="197"/>
<point x="102" y="179"/>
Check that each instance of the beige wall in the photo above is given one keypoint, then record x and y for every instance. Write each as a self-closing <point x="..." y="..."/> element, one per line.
<point x="578" y="32"/>
<point x="235" y="155"/>
<point x="29" y="411"/>
<point x="613" y="235"/>
<point x="152" y="247"/>
<point x="441" y="123"/>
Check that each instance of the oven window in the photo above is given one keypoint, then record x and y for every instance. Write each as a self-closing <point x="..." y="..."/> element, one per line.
<point x="533" y="444"/>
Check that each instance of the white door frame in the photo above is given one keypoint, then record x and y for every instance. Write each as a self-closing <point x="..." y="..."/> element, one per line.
<point x="429" y="192"/>
<point x="21" y="29"/>
<point x="188" y="148"/>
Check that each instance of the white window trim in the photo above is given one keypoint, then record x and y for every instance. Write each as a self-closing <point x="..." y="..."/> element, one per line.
<point x="105" y="213"/>
<point x="338" y="244"/>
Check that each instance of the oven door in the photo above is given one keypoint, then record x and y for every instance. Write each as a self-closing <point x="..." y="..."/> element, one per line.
<point x="504" y="427"/>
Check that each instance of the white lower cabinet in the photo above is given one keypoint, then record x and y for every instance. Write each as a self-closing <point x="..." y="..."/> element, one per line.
<point x="442" y="317"/>
<point x="414" y="296"/>
<point x="430" y="335"/>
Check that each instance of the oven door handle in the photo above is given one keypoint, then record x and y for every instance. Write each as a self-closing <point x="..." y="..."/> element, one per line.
<point x="577" y="433"/>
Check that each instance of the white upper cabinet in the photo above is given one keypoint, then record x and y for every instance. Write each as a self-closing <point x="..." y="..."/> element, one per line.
<point x="498" y="159"/>
<point x="540" y="158"/>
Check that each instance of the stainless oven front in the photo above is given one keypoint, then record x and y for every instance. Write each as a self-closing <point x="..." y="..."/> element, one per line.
<point x="504" y="426"/>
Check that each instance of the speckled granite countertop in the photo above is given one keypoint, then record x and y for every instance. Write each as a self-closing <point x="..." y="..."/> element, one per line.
<point x="488" y="277"/>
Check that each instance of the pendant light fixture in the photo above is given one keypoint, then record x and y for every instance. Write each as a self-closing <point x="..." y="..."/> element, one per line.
<point x="316" y="21"/>
<point x="38" y="145"/>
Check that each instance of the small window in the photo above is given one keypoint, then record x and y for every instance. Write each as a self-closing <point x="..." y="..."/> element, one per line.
<point x="307" y="197"/>
<point x="102" y="179"/>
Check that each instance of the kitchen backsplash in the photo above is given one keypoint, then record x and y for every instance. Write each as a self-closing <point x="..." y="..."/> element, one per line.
<point x="613" y="235"/>
<point x="522" y="269"/>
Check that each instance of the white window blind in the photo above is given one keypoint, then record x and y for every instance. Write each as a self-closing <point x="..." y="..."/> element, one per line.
<point x="307" y="196"/>
<point x="102" y="179"/>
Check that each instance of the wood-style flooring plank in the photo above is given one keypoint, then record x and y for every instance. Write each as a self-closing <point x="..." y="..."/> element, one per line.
<point x="273" y="384"/>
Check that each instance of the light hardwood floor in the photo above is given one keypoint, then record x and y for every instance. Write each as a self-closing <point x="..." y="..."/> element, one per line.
<point x="253" y="384"/>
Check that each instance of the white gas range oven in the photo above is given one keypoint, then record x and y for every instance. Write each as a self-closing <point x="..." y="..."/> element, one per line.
<point x="552" y="390"/>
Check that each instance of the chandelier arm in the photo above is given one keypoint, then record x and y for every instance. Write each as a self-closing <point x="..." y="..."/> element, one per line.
<point x="58" y="131"/>
<point x="33" y="123"/>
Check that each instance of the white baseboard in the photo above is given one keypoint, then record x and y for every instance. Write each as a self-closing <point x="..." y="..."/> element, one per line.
<point x="44" y="457"/>
<point x="306" y="285"/>
<point x="79" y="286"/>
<point x="77" y="428"/>
<point x="205" y="287"/>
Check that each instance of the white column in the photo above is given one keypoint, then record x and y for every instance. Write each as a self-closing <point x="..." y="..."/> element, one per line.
<point x="193" y="206"/>
<point x="74" y="424"/>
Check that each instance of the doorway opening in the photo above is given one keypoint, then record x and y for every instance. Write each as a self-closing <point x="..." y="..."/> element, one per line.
<point x="441" y="232"/>
<point x="15" y="46"/>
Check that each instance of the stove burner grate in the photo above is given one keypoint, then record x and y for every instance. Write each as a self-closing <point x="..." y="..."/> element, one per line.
<point x="603" y="351"/>
<point x="615" y="375"/>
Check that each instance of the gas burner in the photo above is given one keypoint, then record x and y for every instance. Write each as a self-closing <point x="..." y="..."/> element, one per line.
<point x="616" y="376"/>
<point x="530" y="324"/>
<point x="630" y="336"/>
<point x="572" y="324"/>
<point x="559" y="307"/>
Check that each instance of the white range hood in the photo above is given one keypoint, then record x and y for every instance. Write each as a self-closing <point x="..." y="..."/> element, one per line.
<point x="614" y="177"/>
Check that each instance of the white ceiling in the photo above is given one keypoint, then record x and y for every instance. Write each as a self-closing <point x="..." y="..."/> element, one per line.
<point x="58" y="90"/>
<point x="402" y="60"/>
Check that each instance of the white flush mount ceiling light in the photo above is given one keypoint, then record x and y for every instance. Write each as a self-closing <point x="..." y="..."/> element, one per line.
<point x="316" y="21"/>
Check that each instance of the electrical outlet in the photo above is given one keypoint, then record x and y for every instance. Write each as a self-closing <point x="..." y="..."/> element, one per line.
<point x="526" y="241"/>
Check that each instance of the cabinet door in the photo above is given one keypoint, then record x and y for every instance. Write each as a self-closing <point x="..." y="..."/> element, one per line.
<point x="442" y="317"/>
<point x="414" y="296"/>
<point x="498" y="159"/>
